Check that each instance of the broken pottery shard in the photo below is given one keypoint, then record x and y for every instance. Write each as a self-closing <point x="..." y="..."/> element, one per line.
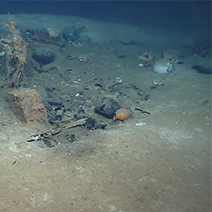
<point x="27" y="104"/>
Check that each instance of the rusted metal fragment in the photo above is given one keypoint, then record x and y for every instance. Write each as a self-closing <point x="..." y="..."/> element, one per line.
<point x="28" y="105"/>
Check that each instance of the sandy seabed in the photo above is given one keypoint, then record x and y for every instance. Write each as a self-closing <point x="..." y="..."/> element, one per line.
<point x="163" y="164"/>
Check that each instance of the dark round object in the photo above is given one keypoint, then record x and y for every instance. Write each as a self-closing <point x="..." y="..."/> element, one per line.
<point x="43" y="56"/>
<point x="70" y="34"/>
<point x="71" y="138"/>
<point x="107" y="107"/>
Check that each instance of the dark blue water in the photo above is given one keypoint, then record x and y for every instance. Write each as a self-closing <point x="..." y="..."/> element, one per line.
<point x="171" y="14"/>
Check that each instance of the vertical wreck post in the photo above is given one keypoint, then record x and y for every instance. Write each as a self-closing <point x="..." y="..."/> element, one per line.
<point x="15" y="50"/>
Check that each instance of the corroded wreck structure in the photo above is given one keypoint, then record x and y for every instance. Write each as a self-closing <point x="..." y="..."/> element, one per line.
<point x="15" y="56"/>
